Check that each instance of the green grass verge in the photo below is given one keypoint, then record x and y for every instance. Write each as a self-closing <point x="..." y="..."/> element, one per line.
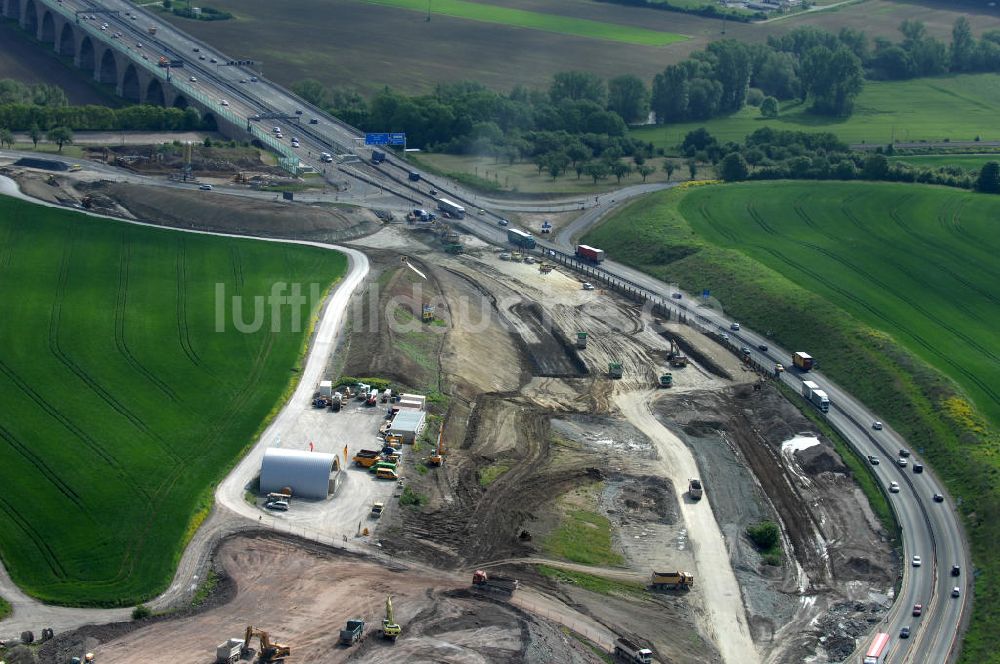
<point x="123" y="396"/>
<point x="491" y="473"/>
<point x="583" y="537"/>
<point x="915" y="110"/>
<point x="205" y="588"/>
<point x="519" y="18"/>
<point x="5" y="608"/>
<point x="593" y="583"/>
<point x="879" y="281"/>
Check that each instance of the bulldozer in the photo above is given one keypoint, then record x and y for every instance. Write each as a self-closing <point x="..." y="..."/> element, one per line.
<point x="269" y="652"/>
<point x="390" y="630"/>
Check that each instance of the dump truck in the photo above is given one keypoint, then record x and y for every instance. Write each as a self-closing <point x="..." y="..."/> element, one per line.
<point x="819" y="398"/>
<point x="587" y="253"/>
<point x="672" y="580"/>
<point x="581" y="339"/>
<point x="695" y="489"/>
<point x="666" y="380"/>
<point x="520" y="238"/>
<point x="500" y="584"/>
<point x="367" y="458"/>
<point x="353" y="632"/>
<point x="803" y="361"/>
<point x="229" y="651"/>
<point x="615" y="370"/>
<point x="151" y="30"/>
<point x="629" y="651"/>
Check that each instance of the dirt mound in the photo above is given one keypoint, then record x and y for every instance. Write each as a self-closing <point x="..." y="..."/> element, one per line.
<point x="184" y="208"/>
<point x="820" y="459"/>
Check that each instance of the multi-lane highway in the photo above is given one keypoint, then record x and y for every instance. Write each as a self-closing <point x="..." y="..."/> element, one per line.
<point x="929" y="529"/>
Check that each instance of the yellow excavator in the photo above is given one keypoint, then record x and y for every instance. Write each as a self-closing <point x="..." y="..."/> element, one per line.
<point x="437" y="458"/>
<point x="390" y="630"/>
<point x="269" y="652"/>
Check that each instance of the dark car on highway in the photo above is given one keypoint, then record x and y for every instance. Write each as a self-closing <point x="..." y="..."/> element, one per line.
<point x="904" y="633"/>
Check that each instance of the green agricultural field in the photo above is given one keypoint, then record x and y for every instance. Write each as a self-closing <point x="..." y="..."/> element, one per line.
<point x="970" y="162"/>
<point x="126" y="393"/>
<point x="893" y="287"/>
<point x="519" y="18"/>
<point x="957" y="108"/>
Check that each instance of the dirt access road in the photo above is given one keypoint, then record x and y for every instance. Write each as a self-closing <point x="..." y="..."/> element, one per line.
<point x="717" y="581"/>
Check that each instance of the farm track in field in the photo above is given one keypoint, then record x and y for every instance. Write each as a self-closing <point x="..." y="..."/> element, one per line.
<point x="183" y="332"/>
<point x="121" y="307"/>
<point x="35" y="460"/>
<point x="873" y="310"/>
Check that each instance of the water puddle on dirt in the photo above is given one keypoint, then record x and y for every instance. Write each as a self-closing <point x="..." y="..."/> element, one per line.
<point x="803" y="441"/>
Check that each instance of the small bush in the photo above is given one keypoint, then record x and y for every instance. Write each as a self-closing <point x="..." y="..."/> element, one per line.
<point x="411" y="498"/>
<point x="765" y="535"/>
<point x="142" y="612"/>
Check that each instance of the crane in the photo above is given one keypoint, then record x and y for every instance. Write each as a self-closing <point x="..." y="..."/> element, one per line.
<point x="269" y="652"/>
<point x="390" y="630"/>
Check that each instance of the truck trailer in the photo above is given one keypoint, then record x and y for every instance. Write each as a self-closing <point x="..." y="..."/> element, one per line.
<point x="591" y="254"/>
<point x="378" y="156"/>
<point x="520" y="238"/>
<point x="353" y="632"/>
<point x="818" y="397"/>
<point x="451" y="207"/>
<point x="802" y="361"/>
<point x="629" y="651"/>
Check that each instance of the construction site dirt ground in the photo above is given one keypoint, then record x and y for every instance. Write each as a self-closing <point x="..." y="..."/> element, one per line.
<point x="535" y="431"/>
<point x="303" y="595"/>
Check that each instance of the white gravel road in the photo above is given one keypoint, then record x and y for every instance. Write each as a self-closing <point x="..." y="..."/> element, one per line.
<point x="714" y="576"/>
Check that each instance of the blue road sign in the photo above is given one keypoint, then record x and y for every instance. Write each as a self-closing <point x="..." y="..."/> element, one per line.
<point x="705" y="293"/>
<point x="377" y="139"/>
<point x="397" y="138"/>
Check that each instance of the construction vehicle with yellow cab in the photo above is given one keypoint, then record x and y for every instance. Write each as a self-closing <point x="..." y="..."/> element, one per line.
<point x="437" y="459"/>
<point x="675" y="356"/>
<point x="390" y="630"/>
<point x="269" y="651"/>
<point x="672" y="580"/>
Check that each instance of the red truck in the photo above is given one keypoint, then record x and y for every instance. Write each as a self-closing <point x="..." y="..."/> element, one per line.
<point x="589" y="253"/>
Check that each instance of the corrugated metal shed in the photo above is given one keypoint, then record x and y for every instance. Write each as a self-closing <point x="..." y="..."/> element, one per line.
<point x="308" y="473"/>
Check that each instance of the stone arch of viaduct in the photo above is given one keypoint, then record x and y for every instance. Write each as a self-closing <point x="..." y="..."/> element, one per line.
<point x="94" y="55"/>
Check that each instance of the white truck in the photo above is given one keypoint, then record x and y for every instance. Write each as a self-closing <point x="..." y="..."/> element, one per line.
<point x="819" y="398"/>
<point x="629" y="651"/>
<point x="229" y="652"/>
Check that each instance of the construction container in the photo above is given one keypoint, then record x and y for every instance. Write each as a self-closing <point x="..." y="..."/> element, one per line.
<point x="325" y="388"/>
<point x="414" y="397"/>
<point x="408" y="404"/>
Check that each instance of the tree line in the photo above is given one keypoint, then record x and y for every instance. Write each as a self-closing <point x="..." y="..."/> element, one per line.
<point x="770" y="154"/>
<point x="22" y="117"/>
<point x="825" y="69"/>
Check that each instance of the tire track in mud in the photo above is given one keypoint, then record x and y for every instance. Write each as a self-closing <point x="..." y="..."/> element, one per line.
<point x="183" y="332"/>
<point x="236" y="260"/>
<point x="121" y="306"/>
<point x="716" y="226"/>
<point x="47" y="554"/>
<point x="56" y="349"/>
<point x="10" y="241"/>
<point x="52" y="476"/>
<point x="950" y="222"/>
